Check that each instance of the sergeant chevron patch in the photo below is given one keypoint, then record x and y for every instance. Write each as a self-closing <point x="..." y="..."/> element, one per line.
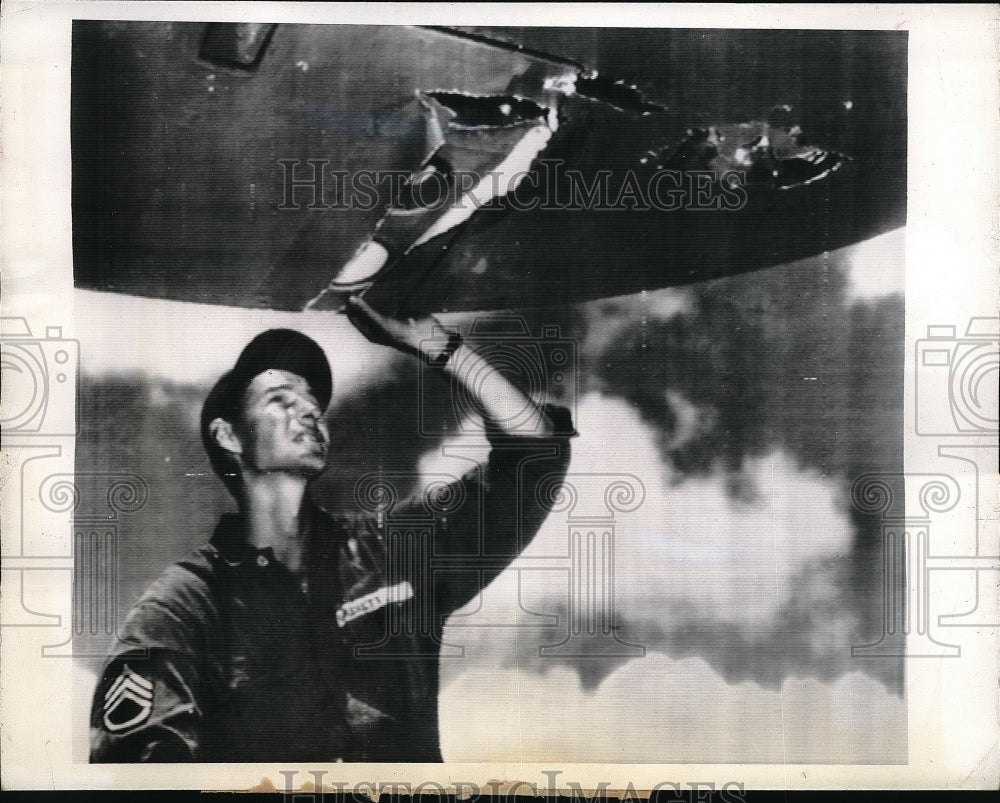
<point x="128" y="701"/>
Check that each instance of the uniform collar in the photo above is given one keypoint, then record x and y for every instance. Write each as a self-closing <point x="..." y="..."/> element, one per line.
<point x="230" y="543"/>
<point x="229" y="538"/>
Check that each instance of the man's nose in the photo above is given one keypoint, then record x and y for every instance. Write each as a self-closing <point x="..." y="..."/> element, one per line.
<point x="307" y="416"/>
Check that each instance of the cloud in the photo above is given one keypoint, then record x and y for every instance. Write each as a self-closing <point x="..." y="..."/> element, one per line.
<point x="762" y="589"/>
<point x="876" y="267"/>
<point x="669" y="711"/>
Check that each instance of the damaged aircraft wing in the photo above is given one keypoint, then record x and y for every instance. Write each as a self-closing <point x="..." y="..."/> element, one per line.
<point x="284" y="166"/>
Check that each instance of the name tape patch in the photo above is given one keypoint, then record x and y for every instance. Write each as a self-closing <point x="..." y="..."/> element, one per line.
<point x="354" y="608"/>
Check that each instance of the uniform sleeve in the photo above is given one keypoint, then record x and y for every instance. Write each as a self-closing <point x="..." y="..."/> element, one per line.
<point x="499" y="509"/>
<point x="146" y="705"/>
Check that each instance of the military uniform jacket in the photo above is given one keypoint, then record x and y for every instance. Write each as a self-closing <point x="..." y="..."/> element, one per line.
<point x="228" y="657"/>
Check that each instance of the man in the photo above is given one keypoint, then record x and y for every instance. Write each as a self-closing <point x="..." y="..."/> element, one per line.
<point x="297" y="635"/>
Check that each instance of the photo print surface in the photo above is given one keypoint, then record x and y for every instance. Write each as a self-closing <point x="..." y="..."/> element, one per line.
<point x="689" y="241"/>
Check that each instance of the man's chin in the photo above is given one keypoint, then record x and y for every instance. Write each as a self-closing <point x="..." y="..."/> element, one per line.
<point x="314" y="465"/>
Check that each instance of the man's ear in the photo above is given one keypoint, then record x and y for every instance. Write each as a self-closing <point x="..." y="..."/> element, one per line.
<point x="222" y="433"/>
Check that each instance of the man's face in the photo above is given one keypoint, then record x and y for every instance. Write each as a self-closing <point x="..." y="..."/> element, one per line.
<point x="282" y="427"/>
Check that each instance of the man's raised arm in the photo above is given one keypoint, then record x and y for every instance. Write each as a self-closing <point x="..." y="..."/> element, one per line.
<point x="496" y="397"/>
<point x="502" y="503"/>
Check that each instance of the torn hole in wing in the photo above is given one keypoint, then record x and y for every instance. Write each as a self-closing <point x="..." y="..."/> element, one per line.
<point x="480" y="148"/>
<point x="774" y="153"/>
<point x="489" y="111"/>
<point x="367" y="261"/>
<point x="625" y="97"/>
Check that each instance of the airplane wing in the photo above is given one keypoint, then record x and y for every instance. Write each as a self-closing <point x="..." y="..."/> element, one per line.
<point x="283" y="166"/>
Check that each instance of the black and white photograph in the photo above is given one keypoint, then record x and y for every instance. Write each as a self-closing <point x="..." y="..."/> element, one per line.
<point x="523" y="394"/>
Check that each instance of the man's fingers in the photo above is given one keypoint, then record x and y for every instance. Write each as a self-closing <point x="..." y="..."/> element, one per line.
<point x="363" y="312"/>
<point x="370" y="323"/>
<point x="357" y="316"/>
<point x="358" y="310"/>
<point x="380" y="329"/>
<point x="358" y="303"/>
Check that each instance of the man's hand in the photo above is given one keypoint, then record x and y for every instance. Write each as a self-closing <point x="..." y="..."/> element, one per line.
<point x="405" y="337"/>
